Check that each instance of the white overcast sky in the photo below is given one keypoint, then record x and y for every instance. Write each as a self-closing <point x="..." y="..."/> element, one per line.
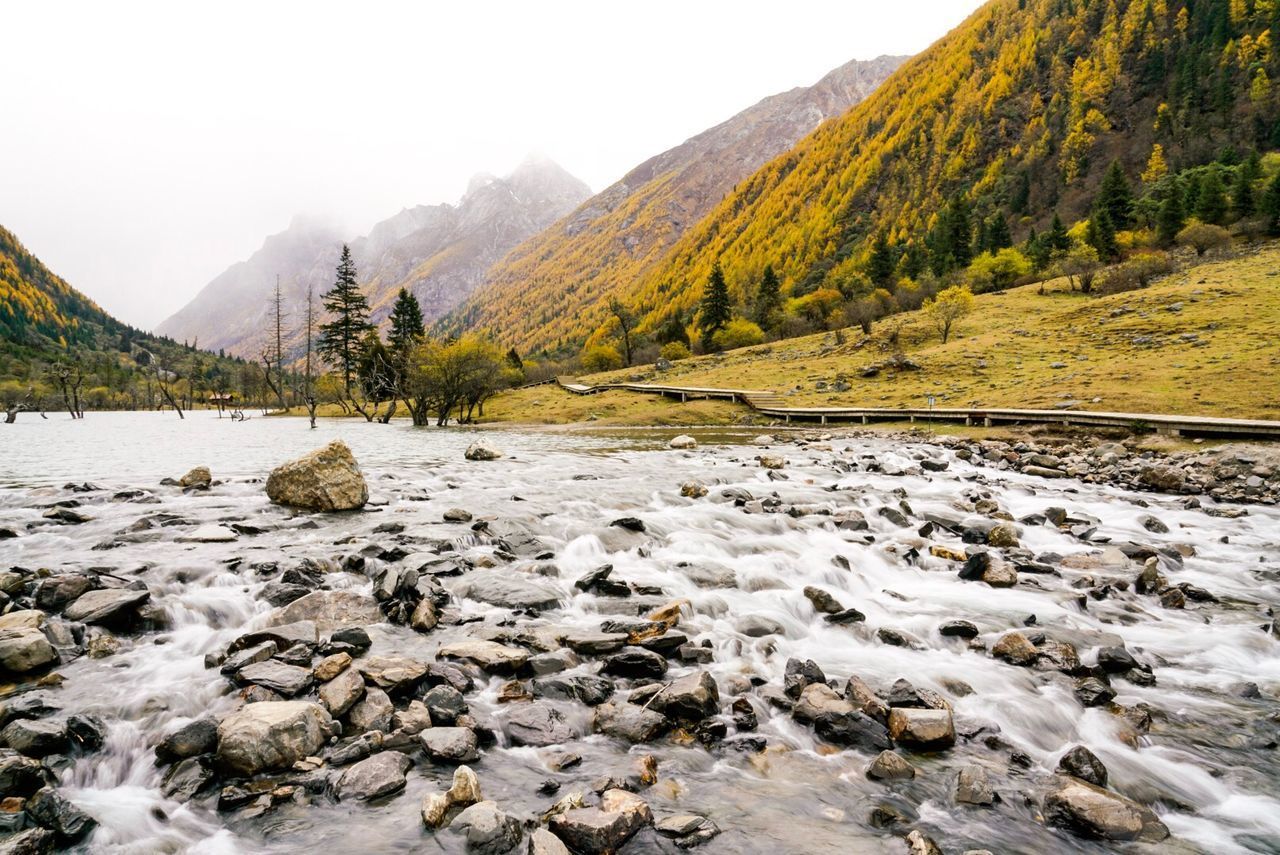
<point x="146" y="146"/>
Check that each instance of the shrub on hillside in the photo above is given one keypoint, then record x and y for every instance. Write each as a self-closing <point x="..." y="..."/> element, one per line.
<point x="1137" y="272"/>
<point x="997" y="271"/>
<point x="674" y="351"/>
<point x="1203" y="237"/>
<point x="601" y="357"/>
<point x="739" y="332"/>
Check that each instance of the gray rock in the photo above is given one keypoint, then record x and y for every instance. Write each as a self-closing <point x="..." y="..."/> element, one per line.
<point x="506" y="590"/>
<point x="1093" y="812"/>
<point x="927" y="729"/>
<point x="54" y="811"/>
<point x="489" y="655"/>
<point x="1082" y="763"/>
<point x="543" y="842"/>
<point x="21" y="776"/>
<point x="757" y="626"/>
<point x="107" y="606"/>
<point x="602" y="830"/>
<point x="889" y="766"/>
<point x="341" y="693"/>
<point x="488" y="831"/>
<point x="444" y="703"/>
<point x="629" y="722"/>
<point x="373" y="711"/>
<point x="373" y="777"/>
<point x="481" y="450"/>
<point x="330" y="610"/>
<point x="287" y="680"/>
<point x="271" y="735"/>
<point x="635" y="662"/>
<point x="692" y="697"/>
<point x="25" y="649"/>
<point x="395" y="674"/>
<point x="974" y="787"/>
<point x="537" y="724"/>
<point x="450" y="744"/>
<point x="187" y="779"/>
<point x="327" y="479"/>
<point x="583" y="688"/>
<point x="33" y="841"/>
<point x="36" y="737"/>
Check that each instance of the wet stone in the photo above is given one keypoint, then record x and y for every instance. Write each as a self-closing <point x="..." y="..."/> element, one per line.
<point x="926" y="729"/>
<point x="449" y="744"/>
<point x="1082" y="763"/>
<point x="36" y="737"/>
<point x="888" y="766"/>
<point x="974" y="786"/>
<point x="1092" y="692"/>
<point x="196" y="737"/>
<point x="635" y="662"/>
<point x="537" y="724"/>
<point x="373" y="777"/>
<point x="629" y="722"/>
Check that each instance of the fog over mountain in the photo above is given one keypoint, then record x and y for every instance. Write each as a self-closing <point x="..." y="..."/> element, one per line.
<point x="440" y="252"/>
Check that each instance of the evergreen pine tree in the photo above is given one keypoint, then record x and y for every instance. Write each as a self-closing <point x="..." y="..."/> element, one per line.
<point x="1057" y="236"/>
<point x="1101" y="234"/>
<point x="768" y="297"/>
<point x="1170" y="218"/>
<point x="881" y="264"/>
<point x="716" y="308"/>
<point x="960" y="232"/>
<point x="914" y="261"/>
<point x="342" y="339"/>
<point x="1271" y="206"/>
<point x="998" y="236"/>
<point x="1021" y="193"/>
<point x="406" y="326"/>
<point x="1115" y="197"/>
<point x="1243" y="204"/>
<point x="1211" y="205"/>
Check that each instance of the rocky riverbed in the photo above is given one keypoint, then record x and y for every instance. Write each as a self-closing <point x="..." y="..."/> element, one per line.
<point x="546" y="644"/>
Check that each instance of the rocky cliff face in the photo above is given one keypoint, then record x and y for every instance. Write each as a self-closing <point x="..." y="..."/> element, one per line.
<point x="440" y="252"/>
<point x="551" y="289"/>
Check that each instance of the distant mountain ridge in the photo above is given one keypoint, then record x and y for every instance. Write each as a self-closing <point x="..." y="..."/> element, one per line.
<point x="440" y="252"/>
<point x="553" y="284"/>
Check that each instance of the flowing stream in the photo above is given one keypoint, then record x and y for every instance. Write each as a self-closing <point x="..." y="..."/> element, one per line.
<point x="1207" y="767"/>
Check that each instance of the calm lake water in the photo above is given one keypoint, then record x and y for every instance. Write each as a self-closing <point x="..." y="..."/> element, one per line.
<point x="1207" y="767"/>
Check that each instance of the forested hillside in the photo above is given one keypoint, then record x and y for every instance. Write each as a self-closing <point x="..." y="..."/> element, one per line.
<point x="1010" y="120"/>
<point x="52" y="336"/>
<point x="540" y="291"/>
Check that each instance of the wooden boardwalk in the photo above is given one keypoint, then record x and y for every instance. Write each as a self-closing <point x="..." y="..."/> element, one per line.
<point x="772" y="404"/>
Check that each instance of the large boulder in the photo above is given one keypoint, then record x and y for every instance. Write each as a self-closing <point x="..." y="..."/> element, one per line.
<point x="507" y="590"/>
<point x="198" y="477"/>
<point x="330" y="610"/>
<point x="605" y="829"/>
<point x="922" y="728"/>
<point x="629" y="721"/>
<point x="1091" y="811"/>
<point x="24" y="649"/>
<point x="481" y="450"/>
<point x="538" y="724"/>
<point x="107" y="606"/>
<point x="373" y="777"/>
<point x="271" y="735"/>
<point x="324" y="480"/>
<point x="490" y="655"/>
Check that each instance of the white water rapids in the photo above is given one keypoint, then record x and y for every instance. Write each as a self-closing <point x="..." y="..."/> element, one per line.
<point x="1207" y="767"/>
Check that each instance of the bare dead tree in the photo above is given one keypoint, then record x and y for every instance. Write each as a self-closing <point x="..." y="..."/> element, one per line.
<point x="308" y="381"/>
<point x="163" y="379"/>
<point x="277" y="305"/>
<point x="70" y="377"/>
